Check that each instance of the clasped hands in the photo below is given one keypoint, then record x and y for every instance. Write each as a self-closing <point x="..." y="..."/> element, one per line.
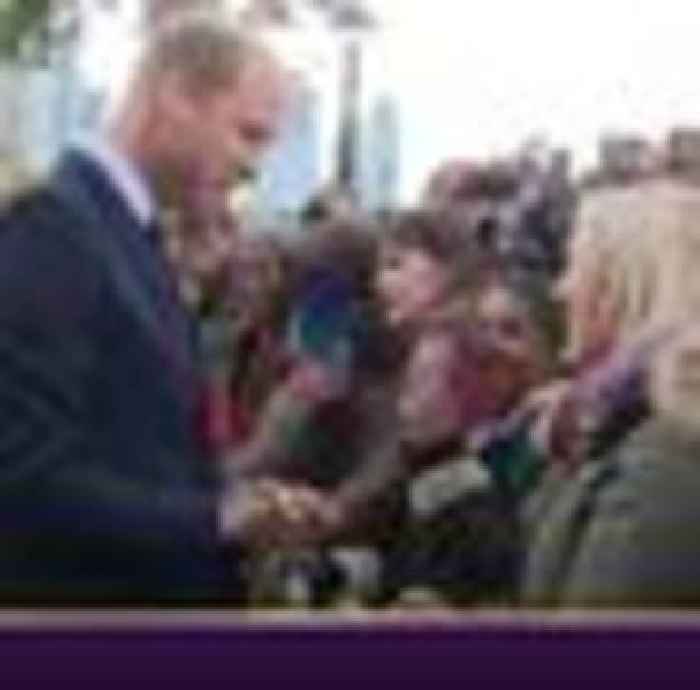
<point x="269" y="513"/>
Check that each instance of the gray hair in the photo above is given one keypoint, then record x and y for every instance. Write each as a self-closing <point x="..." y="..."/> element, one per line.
<point x="206" y="49"/>
<point x="644" y="242"/>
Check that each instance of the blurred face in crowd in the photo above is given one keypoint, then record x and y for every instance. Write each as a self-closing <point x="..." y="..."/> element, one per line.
<point x="411" y="282"/>
<point x="503" y="322"/>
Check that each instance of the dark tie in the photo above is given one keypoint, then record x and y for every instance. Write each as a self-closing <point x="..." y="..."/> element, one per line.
<point x="170" y="309"/>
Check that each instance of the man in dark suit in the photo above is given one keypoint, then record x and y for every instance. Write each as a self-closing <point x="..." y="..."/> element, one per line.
<point x="102" y="495"/>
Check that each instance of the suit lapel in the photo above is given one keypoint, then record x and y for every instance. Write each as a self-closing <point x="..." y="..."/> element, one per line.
<point x="114" y="235"/>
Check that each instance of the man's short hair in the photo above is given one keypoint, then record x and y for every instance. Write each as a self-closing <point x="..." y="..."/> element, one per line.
<point x="207" y="50"/>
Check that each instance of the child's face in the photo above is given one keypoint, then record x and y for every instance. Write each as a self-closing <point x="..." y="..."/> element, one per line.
<point x="410" y="282"/>
<point x="503" y="321"/>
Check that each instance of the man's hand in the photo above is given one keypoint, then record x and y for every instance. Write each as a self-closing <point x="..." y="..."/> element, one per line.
<point x="271" y="514"/>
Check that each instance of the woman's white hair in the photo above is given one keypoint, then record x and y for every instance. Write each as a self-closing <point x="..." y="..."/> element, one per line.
<point x="642" y="244"/>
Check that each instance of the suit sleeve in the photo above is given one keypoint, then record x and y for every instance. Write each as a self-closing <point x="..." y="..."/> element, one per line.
<point x="51" y="480"/>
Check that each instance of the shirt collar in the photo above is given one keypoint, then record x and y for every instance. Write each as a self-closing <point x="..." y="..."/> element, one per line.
<point x="129" y="181"/>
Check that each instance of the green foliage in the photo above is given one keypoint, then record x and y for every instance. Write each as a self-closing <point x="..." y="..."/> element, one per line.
<point x="20" y="19"/>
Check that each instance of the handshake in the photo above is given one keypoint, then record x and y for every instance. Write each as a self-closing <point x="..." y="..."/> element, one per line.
<point x="271" y="514"/>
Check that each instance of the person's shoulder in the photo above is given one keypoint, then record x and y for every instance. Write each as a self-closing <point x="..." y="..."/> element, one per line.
<point x="39" y="219"/>
<point x="47" y="211"/>
<point x="28" y="204"/>
<point x="639" y="542"/>
<point x="39" y="208"/>
<point x="658" y="445"/>
<point x="656" y="478"/>
<point x="45" y="266"/>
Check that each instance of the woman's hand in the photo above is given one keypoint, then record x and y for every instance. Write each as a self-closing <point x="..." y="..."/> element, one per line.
<point x="556" y="433"/>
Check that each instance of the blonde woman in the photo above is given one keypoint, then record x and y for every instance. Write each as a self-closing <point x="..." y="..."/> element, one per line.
<point x="619" y="530"/>
<point x="631" y="283"/>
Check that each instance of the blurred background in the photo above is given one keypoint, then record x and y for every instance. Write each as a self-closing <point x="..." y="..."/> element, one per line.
<point x="387" y="89"/>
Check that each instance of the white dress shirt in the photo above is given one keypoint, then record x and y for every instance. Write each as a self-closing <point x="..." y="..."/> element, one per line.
<point x="125" y="176"/>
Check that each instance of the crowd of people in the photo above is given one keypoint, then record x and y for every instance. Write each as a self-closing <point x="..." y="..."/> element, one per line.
<point x="489" y="400"/>
<point x="482" y="390"/>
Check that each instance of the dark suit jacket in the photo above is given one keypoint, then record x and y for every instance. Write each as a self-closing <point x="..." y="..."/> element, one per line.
<point x="102" y="495"/>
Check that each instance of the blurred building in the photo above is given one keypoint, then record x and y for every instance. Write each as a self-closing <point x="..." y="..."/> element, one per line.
<point x="292" y="173"/>
<point x="624" y="157"/>
<point x="90" y="45"/>
<point x="684" y="149"/>
<point x="381" y="159"/>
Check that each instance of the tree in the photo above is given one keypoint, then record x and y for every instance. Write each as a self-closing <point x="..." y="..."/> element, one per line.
<point x="22" y="20"/>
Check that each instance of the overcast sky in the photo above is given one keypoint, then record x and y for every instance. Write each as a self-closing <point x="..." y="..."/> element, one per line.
<point x="474" y="82"/>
